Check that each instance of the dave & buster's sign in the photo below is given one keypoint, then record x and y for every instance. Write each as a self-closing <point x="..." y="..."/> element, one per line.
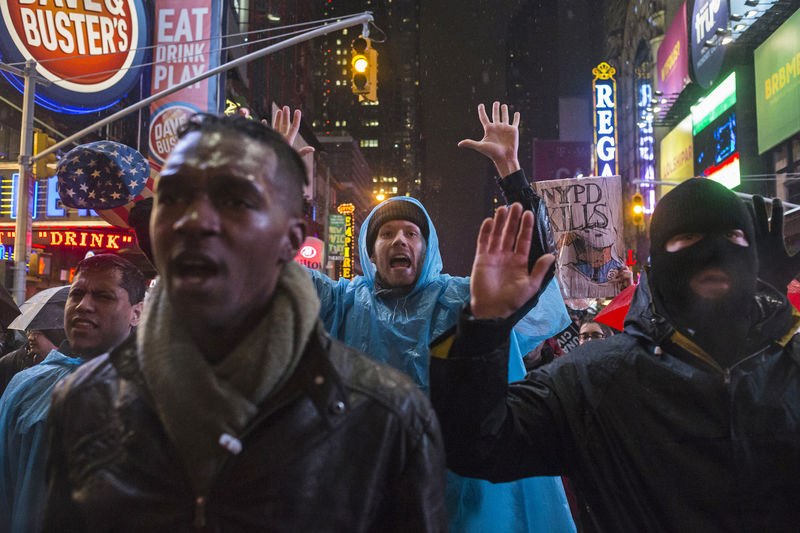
<point x="89" y="49"/>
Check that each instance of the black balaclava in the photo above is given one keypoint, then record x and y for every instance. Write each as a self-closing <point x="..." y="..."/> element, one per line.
<point x="700" y="205"/>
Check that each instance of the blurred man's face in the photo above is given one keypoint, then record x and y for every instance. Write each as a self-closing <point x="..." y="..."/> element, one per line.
<point x="39" y="344"/>
<point x="399" y="253"/>
<point x="712" y="282"/>
<point x="98" y="315"/>
<point x="220" y="231"/>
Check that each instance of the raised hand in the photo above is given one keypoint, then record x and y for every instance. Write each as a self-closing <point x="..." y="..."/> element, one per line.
<point x="775" y="265"/>
<point x="500" y="141"/>
<point x="288" y="126"/>
<point x="500" y="283"/>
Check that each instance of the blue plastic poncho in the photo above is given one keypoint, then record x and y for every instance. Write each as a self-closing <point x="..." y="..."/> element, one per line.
<point x="23" y="442"/>
<point x="399" y="330"/>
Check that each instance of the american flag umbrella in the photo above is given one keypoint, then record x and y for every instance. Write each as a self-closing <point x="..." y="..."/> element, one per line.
<point x="106" y="176"/>
<point x="43" y="310"/>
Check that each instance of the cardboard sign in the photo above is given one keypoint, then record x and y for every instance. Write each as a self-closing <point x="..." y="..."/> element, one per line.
<point x="586" y="215"/>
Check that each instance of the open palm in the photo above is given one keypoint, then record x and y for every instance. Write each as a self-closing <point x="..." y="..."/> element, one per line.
<point x="500" y="141"/>
<point x="500" y="282"/>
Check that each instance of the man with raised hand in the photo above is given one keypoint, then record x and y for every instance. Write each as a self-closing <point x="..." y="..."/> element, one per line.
<point x="233" y="410"/>
<point x="403" y="301"/>
<point x="688" y="420"/>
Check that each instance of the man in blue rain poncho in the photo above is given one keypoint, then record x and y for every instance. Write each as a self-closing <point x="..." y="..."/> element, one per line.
<point x="403" y="301"/>
<point x="104" y="304"/>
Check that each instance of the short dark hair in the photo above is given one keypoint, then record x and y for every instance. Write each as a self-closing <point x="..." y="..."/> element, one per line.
<point x="289" y="161"/>
<point x="131" y="278"/>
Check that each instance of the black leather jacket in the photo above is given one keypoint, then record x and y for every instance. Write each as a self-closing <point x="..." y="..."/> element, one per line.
<point x="346" y="445"/>
<point x="655" y="435"/>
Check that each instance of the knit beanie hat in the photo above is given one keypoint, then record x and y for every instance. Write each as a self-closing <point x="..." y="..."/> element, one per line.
<point x="698" y="205"/>
<point x="395" y="210"/>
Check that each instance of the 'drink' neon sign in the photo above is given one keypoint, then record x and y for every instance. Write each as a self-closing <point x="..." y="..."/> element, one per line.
<point x="604" y="96"/>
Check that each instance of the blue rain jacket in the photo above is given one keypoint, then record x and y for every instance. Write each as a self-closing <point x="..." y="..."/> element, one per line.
<point x="23" y="442"/>
<point x="398" y="331"/>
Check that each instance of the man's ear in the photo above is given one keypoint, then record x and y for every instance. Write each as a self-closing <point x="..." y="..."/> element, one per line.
<point x="136" y="314"/>
<point x="293" y="240"/>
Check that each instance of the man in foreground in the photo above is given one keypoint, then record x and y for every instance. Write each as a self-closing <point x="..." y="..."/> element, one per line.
<point x="233" y="410"/>
<point x="686" y="421"/>
<point x="104" y="304"/>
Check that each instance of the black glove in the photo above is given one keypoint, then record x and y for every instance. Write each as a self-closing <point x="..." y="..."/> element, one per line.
<point x="775" y="265"/>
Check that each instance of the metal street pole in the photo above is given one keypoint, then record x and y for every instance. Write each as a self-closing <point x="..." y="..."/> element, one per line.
<point x="22" y="230"/>
<point x="363" y="19"/>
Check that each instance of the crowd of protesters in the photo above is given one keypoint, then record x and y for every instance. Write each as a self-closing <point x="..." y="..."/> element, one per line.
<point x="247" y="393"/>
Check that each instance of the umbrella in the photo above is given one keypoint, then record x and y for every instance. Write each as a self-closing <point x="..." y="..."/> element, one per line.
<point x="614" y="313"/>
<point x="8" y="308"/>
<point x="44" y="310"/>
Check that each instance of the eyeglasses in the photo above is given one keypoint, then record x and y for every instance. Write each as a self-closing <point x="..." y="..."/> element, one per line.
<point x="591" y="336"/>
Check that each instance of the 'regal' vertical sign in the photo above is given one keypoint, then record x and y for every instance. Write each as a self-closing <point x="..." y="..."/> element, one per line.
<point x="89" y="49"/>
<point x="604" y="96"/>
<point x="186" y="43"/>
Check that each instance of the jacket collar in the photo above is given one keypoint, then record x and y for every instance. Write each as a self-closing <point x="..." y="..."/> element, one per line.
<point x="776" y="321"/>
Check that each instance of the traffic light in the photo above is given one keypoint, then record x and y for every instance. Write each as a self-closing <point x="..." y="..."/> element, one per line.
<point x="365" y="69"/>
<point x="638" y="209"/>
<point x="41" y="141"/>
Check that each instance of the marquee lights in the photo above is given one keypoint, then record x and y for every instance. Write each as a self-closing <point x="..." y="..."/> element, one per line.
<point x="76" y="239"/>
<point x="604" y="96"/>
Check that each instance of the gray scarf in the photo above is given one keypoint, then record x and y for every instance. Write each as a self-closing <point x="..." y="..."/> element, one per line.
<point x="198" y="403"/>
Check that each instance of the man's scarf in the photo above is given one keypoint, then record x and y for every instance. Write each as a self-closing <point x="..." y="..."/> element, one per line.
<point x="198" y="402"/>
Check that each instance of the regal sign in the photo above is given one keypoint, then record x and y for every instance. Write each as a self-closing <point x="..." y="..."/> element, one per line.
<point x="89" y="49"/>
<point x="604" y="96"/>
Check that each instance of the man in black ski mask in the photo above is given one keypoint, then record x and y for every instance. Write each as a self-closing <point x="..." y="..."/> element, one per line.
<point x="705" y="265"/>
<point x="688" y="420"/>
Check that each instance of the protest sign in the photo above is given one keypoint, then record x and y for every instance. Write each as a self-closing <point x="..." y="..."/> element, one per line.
<point x="586" y="215"/>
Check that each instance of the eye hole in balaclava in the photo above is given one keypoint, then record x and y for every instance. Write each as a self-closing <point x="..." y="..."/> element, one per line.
<point x="700" y="205"/>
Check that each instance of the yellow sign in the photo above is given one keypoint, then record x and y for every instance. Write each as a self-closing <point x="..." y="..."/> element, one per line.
<point x="677" y="155"/>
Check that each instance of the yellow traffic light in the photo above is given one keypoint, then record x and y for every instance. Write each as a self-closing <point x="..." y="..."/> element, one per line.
<point x="41" y="141"/>
<point x="365" y="69"/>
<point x="638" y="209"/>
<point x="360" y="64"/>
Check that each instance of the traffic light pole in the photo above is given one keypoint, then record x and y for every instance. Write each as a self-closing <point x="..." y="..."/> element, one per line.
<point x="347" y="22"/>
<point x="22" y="229"/>
<point x="22" y="236"/>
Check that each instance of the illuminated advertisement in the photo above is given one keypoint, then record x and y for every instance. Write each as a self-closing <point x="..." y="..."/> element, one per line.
<point x="46" y="202"/>
<point x="90" y="51"/>
<point x="604" y="98"/>
<point x="708" y="16"/>
<point x="677" y="155"/>
<point x="672" y="58"/>
<point x="187" y="44"/>
<point x="310" y="254"/>
<point x="75" y="238"/>
<point x="645" y="155"/>
<point x="777" y="74"/>
<point x="336" y="237"/>
<point x="716" y="152"/>
<point x="347" y="210"/>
